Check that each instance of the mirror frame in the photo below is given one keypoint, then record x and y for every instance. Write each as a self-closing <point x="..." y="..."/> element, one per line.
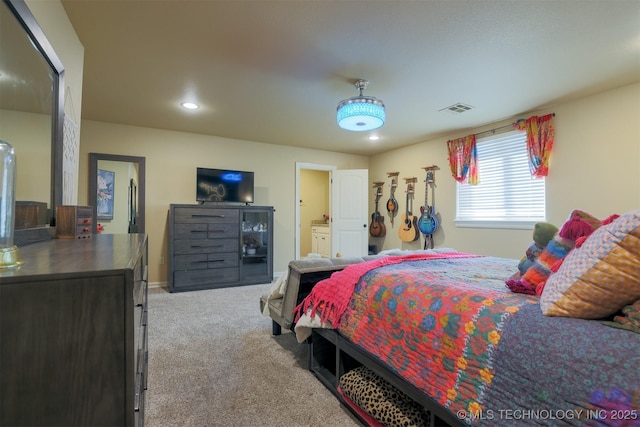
<point x="93" y="184"/>
<point x="26" y="19"/>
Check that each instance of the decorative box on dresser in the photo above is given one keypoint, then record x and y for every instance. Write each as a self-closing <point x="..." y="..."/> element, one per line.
<point x="73" y="333"/>
<point x="215" y="246"/>
<point x="74" y="222"/>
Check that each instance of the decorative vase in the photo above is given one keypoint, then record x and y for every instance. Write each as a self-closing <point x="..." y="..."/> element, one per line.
<point x="9" y="253"/>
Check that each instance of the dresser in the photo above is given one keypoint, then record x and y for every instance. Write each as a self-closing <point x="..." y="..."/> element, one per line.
<point x="73" y="333"/>
<point x="214" y="246"/>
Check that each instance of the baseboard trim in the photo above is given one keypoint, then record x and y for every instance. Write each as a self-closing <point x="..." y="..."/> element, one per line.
<point x="159" y="285"/>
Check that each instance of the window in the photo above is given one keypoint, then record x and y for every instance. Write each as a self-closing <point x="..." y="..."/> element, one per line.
<point x="506" y="195"/>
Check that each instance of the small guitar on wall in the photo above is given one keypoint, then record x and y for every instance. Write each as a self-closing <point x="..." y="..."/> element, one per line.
<point x="392" y="203"/>
<point x="408" y="230"/>
<point x="377" y="227"/>
<point x="428" y="222"/>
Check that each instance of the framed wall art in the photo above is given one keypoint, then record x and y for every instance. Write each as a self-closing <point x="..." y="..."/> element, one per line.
<point x="106" y="180"/>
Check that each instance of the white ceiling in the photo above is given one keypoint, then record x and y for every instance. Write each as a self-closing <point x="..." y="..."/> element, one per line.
<point x="274" y="71"/>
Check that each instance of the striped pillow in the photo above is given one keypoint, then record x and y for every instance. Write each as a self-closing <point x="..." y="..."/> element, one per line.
<point x="600" y="277"/>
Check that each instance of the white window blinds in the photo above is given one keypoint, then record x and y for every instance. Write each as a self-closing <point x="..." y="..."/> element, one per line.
<point x="506" y="195"/>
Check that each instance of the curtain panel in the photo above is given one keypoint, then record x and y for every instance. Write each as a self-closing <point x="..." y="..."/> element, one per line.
<point x="463" y="159"/>
<point x="540" y="138"/>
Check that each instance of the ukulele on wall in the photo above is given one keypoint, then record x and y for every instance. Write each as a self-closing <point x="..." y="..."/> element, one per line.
<point x="392" y="203"/>
<point x="377" y="227"/>
<point x="408" y="230"/>
<point x="428" y="222"/>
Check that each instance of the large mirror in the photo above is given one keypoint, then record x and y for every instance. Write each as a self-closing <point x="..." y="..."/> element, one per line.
<point x="31" y="114"/>
<point x="117" y="192"/>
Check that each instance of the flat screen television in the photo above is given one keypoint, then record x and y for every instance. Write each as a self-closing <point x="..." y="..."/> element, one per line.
<point x="219" y="185"/>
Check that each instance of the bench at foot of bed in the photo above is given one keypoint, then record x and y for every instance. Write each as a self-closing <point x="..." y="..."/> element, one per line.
<point x="302" y="276"/>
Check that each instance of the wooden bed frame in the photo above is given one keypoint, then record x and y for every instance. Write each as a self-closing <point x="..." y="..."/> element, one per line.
<point x="331" y="355"/>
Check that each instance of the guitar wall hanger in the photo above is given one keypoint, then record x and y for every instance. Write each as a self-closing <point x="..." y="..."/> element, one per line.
<point x="431" y="173"/>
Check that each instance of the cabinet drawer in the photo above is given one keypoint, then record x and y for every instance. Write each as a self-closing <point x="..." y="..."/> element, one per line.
<point x="206" y="246"/>
<point x="208" y="215"/>
<point x="205" y="231"/>
<point x="140" y="289"/>
<point x="138" y="334"/>
<point x="84" y="230"/>
<point x="190" y="231"/>
<point x="205" y="277"/>
<point x="138" y="404"/>
<point x="140" y="270"/>
<point x="320" y="230"/>
<point x="206" y="261"/>
<point x="84" y="212"/>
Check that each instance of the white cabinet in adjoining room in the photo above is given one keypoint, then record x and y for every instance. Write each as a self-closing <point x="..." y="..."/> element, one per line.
<point x="321" y="240"/>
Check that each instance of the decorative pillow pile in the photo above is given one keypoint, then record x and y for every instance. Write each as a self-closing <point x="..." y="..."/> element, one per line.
<point x="543" y="232"/>
<point x="601" y="277"/>
<point x="381" y="400"/>
<point x="537" y="274"/>
<point x="580" y="224"/>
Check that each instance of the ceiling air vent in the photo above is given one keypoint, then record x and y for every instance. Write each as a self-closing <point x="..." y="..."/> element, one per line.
<point x="457" y="108"/>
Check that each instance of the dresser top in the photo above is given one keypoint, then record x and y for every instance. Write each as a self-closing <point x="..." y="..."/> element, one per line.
<point x="102" y="252"/>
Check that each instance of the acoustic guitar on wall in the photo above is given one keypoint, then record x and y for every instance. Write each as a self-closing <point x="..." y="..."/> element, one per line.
<point x="377" y="227"/>
<point x="408" y="230"/>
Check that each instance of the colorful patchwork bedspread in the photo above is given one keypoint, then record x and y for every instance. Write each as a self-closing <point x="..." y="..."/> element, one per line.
<point x="452" y="328"/>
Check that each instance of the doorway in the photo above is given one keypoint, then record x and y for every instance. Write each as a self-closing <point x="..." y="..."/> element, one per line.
<point x="348" y="204"/>
<point x="122" y="192"/>
<point x="306" y="210"/>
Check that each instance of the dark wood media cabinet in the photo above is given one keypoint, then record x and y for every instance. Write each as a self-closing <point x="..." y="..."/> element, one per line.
<point x="73" y="328"/>
<point x="213" y="246"/>
<point x="331" y="355"/>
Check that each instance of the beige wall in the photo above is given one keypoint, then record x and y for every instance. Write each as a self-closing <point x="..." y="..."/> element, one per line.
<point x="594" y="163"/>
<point x="55" y="23"/>
<point x="594" y="166"/>
<point x="171" y="161"/>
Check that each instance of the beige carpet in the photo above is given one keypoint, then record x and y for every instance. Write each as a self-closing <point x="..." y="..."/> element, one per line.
<point x="214" y="362"/>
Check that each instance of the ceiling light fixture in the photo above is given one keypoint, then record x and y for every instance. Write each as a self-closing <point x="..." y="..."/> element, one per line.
<point x="190" y="105"/>
<point x="361" y="113"/>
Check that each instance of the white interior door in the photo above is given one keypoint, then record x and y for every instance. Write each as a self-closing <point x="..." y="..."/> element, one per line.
<point x="349" y="205"/>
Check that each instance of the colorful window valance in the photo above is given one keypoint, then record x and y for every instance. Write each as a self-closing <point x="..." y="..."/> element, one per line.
<point x="463" y="159"/>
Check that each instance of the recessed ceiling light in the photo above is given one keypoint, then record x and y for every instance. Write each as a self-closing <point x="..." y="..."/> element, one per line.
<point x="190" y="105"/>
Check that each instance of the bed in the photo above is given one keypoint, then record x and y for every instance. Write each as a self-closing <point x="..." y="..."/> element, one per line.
<point x="444" y="328"/>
